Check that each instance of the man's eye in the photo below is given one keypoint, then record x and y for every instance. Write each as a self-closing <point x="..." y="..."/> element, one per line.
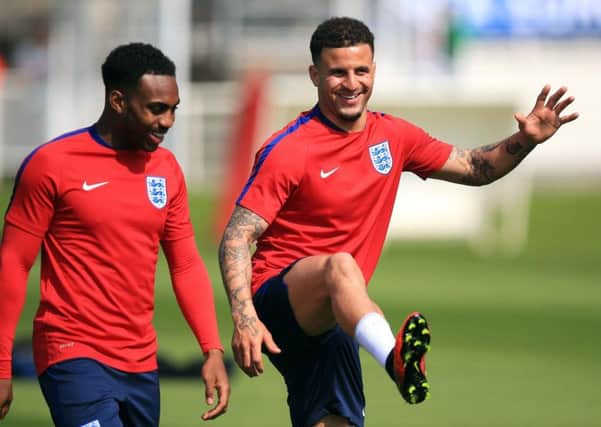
<point x="156" y="109"/>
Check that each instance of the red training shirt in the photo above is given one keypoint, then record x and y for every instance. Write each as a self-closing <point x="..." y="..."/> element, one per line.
<point x="324" y="190"/>
<point x="101" y="215"/>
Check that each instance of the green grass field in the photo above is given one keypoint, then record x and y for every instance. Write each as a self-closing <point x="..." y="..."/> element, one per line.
<point x="516" y="340"/>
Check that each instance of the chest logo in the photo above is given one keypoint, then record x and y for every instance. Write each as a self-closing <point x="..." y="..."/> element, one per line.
<point x="381" y="157"/>
<point x="323" y="174"/>
<point x="156" y="188"/>
<point x="90" y="187"/>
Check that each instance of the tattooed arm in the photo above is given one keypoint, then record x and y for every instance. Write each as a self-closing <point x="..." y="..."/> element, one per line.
<point x="250" y="334"/>
<point x="483" y="165"/>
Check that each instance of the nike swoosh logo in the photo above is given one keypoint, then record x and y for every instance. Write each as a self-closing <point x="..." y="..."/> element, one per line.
<point x="90" y="187"/>
<point x="324" y="175"/>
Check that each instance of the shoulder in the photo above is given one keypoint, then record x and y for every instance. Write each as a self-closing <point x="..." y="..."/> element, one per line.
<point x="386" y="120"/>
<point x="53" y="152"/>
<point x="291" y="139"/>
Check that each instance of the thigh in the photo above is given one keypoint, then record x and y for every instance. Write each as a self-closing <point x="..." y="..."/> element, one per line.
<point x="79" y="393"/>
<point x="308" y="294"/>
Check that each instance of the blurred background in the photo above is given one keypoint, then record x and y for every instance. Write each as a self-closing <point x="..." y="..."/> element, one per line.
<point x="509" y="274"/>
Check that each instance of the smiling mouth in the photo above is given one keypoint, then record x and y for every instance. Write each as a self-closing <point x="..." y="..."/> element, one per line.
<point x="158" y="136"/>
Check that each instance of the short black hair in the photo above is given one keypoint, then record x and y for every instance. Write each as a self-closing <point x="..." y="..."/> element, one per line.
<point x="125" y="65"/>
<point x="339" y="32"/>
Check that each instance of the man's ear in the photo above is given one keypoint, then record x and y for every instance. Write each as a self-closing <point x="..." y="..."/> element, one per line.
<point x="117" y="101"/>
<point x="314" y="75"/>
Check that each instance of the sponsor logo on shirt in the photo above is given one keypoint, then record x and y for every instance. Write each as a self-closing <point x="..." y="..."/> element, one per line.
<point x="381" y="157"/>
<point x="90" y="187"/>
<point x="156" y="188"/>
<point x="323" y="174"/>
<point x="94" y="423"/>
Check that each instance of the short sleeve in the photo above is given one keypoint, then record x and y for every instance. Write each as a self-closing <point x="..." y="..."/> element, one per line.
<point x="276" y="173"/>
<point x="34" y="194"/>
<point x="424" y="154"/>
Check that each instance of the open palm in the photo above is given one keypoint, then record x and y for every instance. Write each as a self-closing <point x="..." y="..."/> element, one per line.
<point x="545" y="118"/>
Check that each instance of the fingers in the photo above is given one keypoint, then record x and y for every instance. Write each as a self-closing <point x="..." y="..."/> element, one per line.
<point x="563" y="104"/>
<point x="270" y="344"/>
<point x="4" y="409"/>
<point x="209" y="394"/>
<point x="568" y="118"/>
<point x="257" y="360"/>
<point x="248" y="357"/>
<point x="542" y="97"/>
<point x="521" y="119"/>
<point x="557" y="105"/>
<point x="248" y="350"/>
<point x="216" y="381"/>
<point x="555" y="97"/>
<point x="223" y="394"/>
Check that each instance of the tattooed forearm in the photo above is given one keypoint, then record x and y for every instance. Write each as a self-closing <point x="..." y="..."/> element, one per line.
<point x="517" y="149"/>
<point x="483" y="165"/>
<point x="481" y="170"/>
<point x="240" y="301"/>
<point x="475" y="167"/>
<point x="242" y="230"/>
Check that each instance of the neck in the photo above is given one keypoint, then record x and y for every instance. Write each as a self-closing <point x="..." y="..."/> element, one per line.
<point x="345" y="125"/>
<point x="109" y="130"/>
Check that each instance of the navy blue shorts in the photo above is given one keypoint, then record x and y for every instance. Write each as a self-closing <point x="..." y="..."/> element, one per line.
<point x="322" y="373"/>
<point x="86" y="393"/>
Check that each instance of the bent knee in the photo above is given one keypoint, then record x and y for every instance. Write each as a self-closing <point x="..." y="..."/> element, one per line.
<point x="342" y="263"/>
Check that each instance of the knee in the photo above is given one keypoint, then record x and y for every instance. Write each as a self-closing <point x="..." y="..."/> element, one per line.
<point x="340" y="267"/>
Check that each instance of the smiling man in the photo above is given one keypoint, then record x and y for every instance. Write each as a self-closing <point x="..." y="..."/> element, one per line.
<point x="317" y="204"/>
<point x="99" y="201"/>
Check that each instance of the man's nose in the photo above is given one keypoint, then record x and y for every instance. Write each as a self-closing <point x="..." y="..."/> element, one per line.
<point x="167" y="120"/>
<point x="351" y="82"/>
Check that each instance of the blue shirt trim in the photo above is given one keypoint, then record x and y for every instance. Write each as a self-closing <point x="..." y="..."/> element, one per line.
<point x="321" y="116"/>
<point x="298" y="123"/>
<point x="35" y="150"/>
<point x="96" y="137"/>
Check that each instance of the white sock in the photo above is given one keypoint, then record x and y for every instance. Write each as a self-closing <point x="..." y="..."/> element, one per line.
<point x="373" y="333"/>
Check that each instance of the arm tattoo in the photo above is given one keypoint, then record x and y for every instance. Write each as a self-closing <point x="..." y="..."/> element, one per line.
<point x="482" y="171"/>
<point x="488" y="163"/>
<point x="516" y="149"/>
<point x="243" y="228"/>
<point x="477" y="168"/>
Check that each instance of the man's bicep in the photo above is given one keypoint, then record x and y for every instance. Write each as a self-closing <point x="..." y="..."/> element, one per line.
<point x="456" y="168"/>
<point x="244" y="224"/>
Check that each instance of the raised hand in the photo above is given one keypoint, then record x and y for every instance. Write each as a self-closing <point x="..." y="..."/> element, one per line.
<point x="545" y="118"/>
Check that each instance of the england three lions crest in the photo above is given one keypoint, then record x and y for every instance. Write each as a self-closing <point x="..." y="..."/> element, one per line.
<point x="156" y="188"/>
<point x="381" y="157"/>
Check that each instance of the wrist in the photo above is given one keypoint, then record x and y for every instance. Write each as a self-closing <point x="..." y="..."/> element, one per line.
<point x="213" y="352"/>
<point x="526" y="141"/>
<point x="519" y="145"/>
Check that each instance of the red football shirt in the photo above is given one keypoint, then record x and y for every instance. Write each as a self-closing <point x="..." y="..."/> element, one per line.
<point x="102" y="215"/>
<point x="323" y="190"/>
